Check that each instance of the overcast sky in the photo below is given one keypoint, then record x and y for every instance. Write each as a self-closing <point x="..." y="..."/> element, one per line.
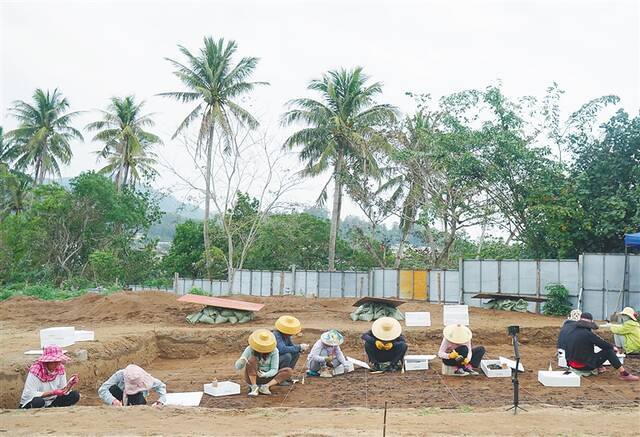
<point x="98" y="49"/>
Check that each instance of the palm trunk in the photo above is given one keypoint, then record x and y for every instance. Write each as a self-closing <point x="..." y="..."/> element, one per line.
<point x="37" y="173"/>
<point x="335" y="213"/>
<point x="118" y="178"/>
<point x="207" y="204"/>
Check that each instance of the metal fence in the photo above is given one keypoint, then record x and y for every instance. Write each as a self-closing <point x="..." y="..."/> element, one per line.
<point x="594" y="282"/>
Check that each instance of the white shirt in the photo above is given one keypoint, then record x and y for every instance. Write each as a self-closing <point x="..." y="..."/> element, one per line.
<point x="34" y="387"/>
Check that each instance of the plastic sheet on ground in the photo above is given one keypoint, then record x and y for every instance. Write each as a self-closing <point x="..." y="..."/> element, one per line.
<point x="374" y="310"/>
<point x="215" y="315"/>
<point x="507" y="305"/>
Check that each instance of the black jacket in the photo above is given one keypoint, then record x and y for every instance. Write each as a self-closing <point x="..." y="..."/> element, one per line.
<point x="580" y="341"/>
<point x="562" y="336"/>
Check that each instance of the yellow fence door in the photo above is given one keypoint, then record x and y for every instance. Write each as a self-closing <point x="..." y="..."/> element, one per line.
<point x="420" y="284"/>
<point x="413" y="284"/>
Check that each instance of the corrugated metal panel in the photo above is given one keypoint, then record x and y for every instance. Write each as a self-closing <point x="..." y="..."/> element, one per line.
<point x="420" y="284"/>
<point x="405" y="282"/>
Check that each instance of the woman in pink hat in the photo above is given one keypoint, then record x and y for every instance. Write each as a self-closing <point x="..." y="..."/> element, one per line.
<point x="131" y="386"/>
<point x="46" y="384"/>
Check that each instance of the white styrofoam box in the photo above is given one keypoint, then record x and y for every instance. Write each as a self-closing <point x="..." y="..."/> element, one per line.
<point x="562" y="359"/>
<point x="59" y="336"/>
<point x="621" y="357"/>
<point x="455" y="315"/>
<point x="417" y="318"/>
<point x="39" y="352"/>
<point x="358" y="363"/>
<point x="416" y="362"/>
<point x="341" y="369"/>
<point x="511" y="363"/>
<point x="558" y="378"/>
<point x="188" y="399"/>
<point x="85" y="335"/>
<point x="223" y="388"/>
<point x="494" y="373"/>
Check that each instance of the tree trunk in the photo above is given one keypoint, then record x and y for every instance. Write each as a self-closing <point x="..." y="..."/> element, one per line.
<point x="207" y="204"/>
<point x="335" y="213"/>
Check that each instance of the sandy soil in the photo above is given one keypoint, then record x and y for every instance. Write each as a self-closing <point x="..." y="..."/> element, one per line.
<point x="293" y="422"/>
<point x="149" y="329"/>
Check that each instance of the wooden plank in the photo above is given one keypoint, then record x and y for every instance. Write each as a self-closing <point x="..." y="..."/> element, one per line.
<point x="392" y="302"/>
<point x="509" y="296"/>
<point x="221" y="303"/>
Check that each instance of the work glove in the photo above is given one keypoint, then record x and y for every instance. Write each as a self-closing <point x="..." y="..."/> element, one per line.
<point x="383" y="346"/>
<point x="465" y="361"/>
<point x="460" y="359"/>
<point x="304" y="346"/>
<point x="453" y="355"/>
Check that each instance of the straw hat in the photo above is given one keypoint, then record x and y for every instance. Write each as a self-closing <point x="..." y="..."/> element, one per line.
<point x="574" y="315"/>
<point x="386" y="329"/>
<point x="53" y="354"/>
<point x="332" y="338"/>
<point x="288" y="325"/>
<point x="262" y="341"/>
<point x="628" y="311"/>
<point x="458" y="334"/>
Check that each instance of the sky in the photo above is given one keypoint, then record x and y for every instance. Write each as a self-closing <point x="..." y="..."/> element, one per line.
<point x="93" y="50"/>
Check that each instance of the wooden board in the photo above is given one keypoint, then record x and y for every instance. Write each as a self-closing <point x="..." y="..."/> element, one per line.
<point x="393" y="302"/>
<point x="221" y="303"/>
<point x="509" y="296"/>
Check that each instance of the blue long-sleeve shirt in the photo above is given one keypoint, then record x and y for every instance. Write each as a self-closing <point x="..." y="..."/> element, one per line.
<point x="285" y="344"/>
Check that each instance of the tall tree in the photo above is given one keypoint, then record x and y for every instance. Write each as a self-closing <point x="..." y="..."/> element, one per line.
<point x="126" y="142"/>
<point x="215" y="83"/>
<point x="341" y="133"/>
<point x="42" y="137"/>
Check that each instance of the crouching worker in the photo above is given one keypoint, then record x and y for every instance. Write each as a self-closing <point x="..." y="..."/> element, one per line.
<point x="456" y="351"/>
<point x="260" y="362"/>
<point x="289" y="352"/>
<point x="385" y="345"/>
<point x="46" y="384"/>
<point x="580" y="352"/>
<point x="131" y="386"/>
<point x="627" y="334"/>
<point x="326" y="355"/>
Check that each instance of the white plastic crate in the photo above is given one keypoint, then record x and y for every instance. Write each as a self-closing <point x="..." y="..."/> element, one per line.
<point x="558" y="378"/>
<point x="85" y="336"/>
<point x="417" y="362"/>
<point x="342" y="369"/>
<point x="188" y="399"/>
<point x="495" y="373"/>
<point x="222" y="388"/>
<point x="59" y="336"/>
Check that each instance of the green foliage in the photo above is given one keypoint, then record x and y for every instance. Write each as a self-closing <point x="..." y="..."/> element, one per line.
<point x="126" y="142"/>
<point x="105" y="266"/>
<point x="558" y="303"/>
<point x="199" y="291"/>
<point x="42" y="138"/>
<point x="44" y="292"/>
<point x="52" y="241"/>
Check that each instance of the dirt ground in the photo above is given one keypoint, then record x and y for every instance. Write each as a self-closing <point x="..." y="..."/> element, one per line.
<point x="149" y="329"/>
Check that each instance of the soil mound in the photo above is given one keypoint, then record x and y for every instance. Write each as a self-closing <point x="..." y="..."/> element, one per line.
<point x="141" y="307"/>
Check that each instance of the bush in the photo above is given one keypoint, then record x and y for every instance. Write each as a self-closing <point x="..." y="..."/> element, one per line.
<point x="558" y="303"/>
<point x="199" y="291"/>
<point x="44" y="292"/>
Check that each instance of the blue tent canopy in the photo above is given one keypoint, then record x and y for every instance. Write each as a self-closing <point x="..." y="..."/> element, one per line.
<point x="632" y="240"/>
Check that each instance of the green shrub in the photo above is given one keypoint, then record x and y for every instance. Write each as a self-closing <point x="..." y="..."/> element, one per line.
<point x="44" y="292"/>
<point x="558" y="303"/>
<point x="199" y="291"/>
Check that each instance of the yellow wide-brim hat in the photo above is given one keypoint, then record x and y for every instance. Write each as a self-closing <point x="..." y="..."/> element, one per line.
<point x="262" y="341"/>
<point x="386" y="329"/>
<point x="288" y="325"/>
<point x="628" y="311"/>
<point x="458" y="334"/>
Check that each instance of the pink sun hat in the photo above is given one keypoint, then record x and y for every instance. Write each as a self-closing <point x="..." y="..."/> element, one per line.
<point x="136" y="379"/>
<point x="53" y="354"/>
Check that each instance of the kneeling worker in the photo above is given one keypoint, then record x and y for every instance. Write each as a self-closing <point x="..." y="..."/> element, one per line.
<point x="627" y="334"/>
<point x="260" y="362"/>
<point x="326" y="354"/>
<point x="580" y="355"/>
<point x="131" y="386"/>
<point x="385" y="345"/>
<point x="289" y="352"/>
<point x="455" y="350"/>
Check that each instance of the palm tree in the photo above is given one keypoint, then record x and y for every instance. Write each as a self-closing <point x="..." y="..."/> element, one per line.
<point x="16" y="191"/>
<point x="215" y="84"/>
<point x="340" y="133"/>
<point x="42" y="137"/>
<point x="127" y="143"/>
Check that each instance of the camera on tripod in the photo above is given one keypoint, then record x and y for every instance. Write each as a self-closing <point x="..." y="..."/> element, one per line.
<point x="513" y="330"/>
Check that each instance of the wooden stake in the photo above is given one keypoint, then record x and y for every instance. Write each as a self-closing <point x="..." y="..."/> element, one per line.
<point x="384" y="424"/>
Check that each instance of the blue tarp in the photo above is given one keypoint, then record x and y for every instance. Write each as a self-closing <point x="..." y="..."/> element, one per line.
<point x="632" y="240"/>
